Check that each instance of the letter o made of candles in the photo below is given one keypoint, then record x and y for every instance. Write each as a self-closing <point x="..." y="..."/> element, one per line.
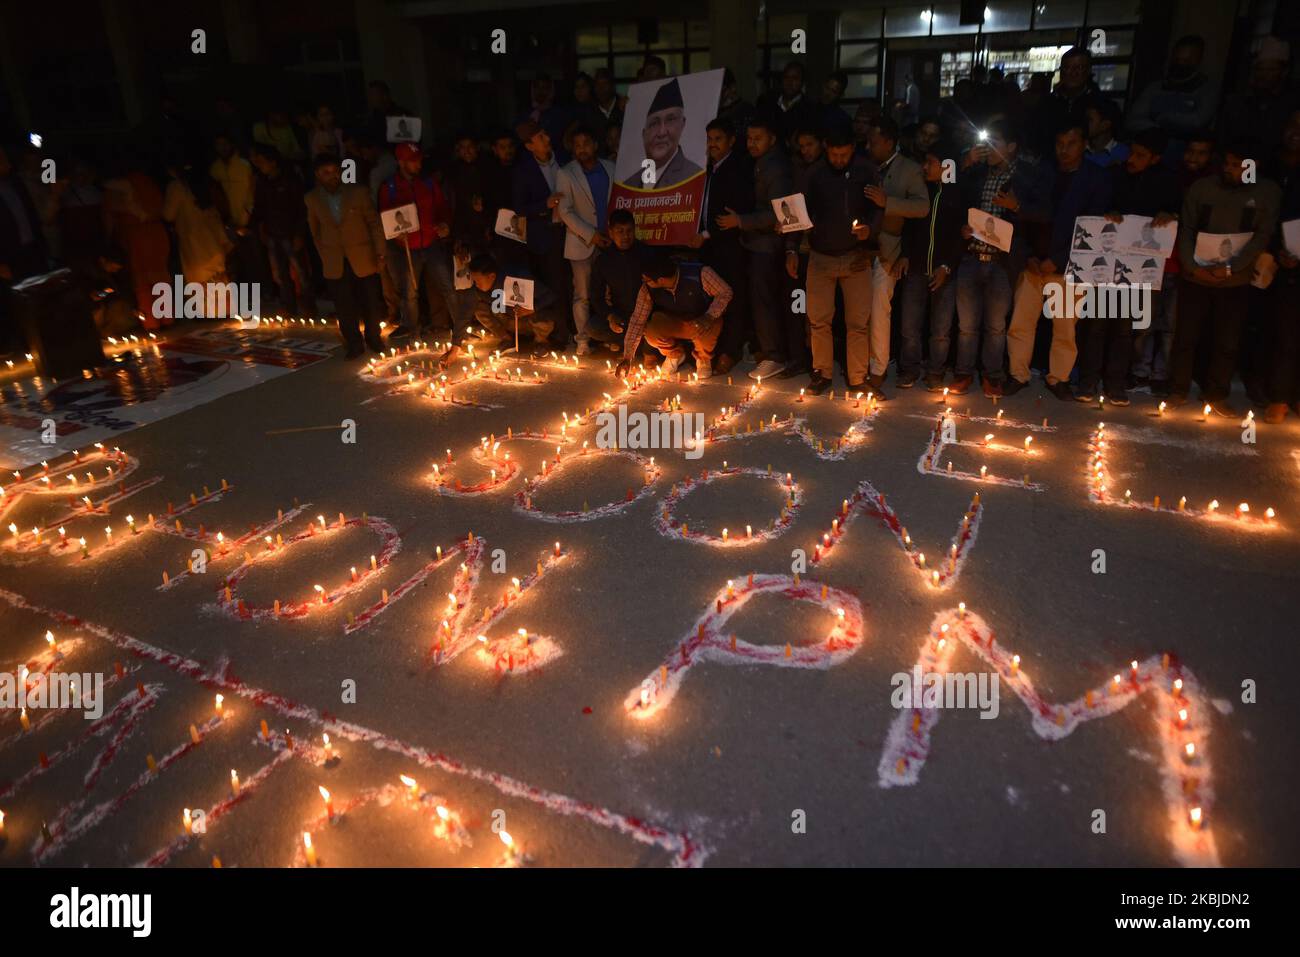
<point x="99" y="472"/>
<point x="710" y="640"/>
<point x="668" y="526"/>
<point x="228" y="599"/>
<point x="524" y="499"/>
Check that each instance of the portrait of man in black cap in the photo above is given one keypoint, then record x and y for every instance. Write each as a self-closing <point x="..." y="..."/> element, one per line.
<point x="1109" y="237"/>
<point x="665" y="122"/>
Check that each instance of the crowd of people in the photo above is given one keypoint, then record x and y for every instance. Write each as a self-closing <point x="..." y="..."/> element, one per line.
<point x="890" y="272"/>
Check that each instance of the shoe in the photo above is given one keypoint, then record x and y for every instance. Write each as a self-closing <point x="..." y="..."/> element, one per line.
<point x="906" y="380"/>
<point x="1225" y="409"/>
<point x="961" y="385"/>
<point x="1159" y="388"/>
<point x="670" y="364"/>
<point x="723" y="364"/>
<point x="876" y="386"/>
<point x="1138" y="382"/>
<point x="1062" y="391"/>
<point x="766" y="369"/>
<point x="354" y="352"/>
<point x="1012" y="385"/>
<point x="992" y="387"/>
<point x="704" y="369"/>
<point x="818" y="383"/>
<point x="1085" y="393"/>
<point x="792" y="370"/>
<point x="375" y="345"/>
<point x="1175" y="400"/>
<point x="541" y="350"/>
<point x="1117" y="397"/>
<point x="934" y="383"/>
<point x="400" y="332"/>
<point x="858" y="387"/>
<point x="1275" y="413"/>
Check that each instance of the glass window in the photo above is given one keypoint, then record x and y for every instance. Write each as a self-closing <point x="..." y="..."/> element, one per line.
<point x="947" y="20"/>
<point x="862" y="86"/>
<point x="1111" y="77"/>
<point x="672" y="35"/>
<point x="1058" y="13"/>
<point x="779" y="27"/>
<point x="676" y="63"/>
<point x="907" y="22"/>
<point x="697" y="33"/>
<point x="1006" y="15"/>
<point x="859" y="56"/>
<point x="1113" y="11"/>
<point x="625" y="67"/>
<point x="590" y="64"/>
<point x="592" y="40"/>
<point x="859" y="24"/>
<point x="623" y="37"/>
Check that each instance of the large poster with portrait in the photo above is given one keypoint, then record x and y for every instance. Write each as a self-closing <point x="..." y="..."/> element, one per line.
<point x="659" y="175"/>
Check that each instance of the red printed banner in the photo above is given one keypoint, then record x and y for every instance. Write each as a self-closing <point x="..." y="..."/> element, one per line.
<point x="659" y="175"/>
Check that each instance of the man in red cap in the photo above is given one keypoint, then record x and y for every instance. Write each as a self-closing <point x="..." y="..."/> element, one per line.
<point x="430" y="262"/>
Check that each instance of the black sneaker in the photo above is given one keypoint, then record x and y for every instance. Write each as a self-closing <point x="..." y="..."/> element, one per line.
<point x="1159" y="388"/>
<point x="1062" y="391"/>
<point x="876" y="386"/>
<point x="906" y="380"/>
<point x="1011" y="385"/>
<point x="1117" y="397"/>
<point x="1085" y="393"/>
<point x="934" y="383"/>
<point x="792" y="370"/>
<point x="400" y="332"/>
<point x="818" y="383"/>
<point x="1175" y="400"/>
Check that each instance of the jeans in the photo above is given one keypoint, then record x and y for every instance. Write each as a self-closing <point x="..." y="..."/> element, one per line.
<point x="582" y="297"/>
<point x="943" y="304"/>
<point x="1152" y="346"/>
<point x="431" y="267"/>
<point x="983" y="300"/>
<point x="291" y="272"/>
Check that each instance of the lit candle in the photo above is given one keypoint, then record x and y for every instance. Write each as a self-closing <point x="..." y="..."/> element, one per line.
<point x="1189" y="751"/>
<point x="1015" y="665"/>
<point x="221" y="707"/>
<point x="311" y="851"/>
<point x="49" y="640"/>
<point x="188" y="821"/>
<point x="411" y="786"/>
<point x="234" y="782"/>
<point x="1193" y="817"/>
<point x="329" y="805"/>
<point x="130" y="522"/>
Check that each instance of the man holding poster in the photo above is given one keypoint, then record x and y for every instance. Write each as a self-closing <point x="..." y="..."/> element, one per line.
<point x="659" y="172"/>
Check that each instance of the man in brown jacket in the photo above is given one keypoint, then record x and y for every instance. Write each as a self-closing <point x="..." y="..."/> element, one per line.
<point x="348" y="236"/>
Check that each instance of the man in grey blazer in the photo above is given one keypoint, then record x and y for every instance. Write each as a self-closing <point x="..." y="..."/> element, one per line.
<point x="584" y="186"/>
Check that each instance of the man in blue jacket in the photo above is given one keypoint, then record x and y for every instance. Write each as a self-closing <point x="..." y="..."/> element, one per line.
<point x="1072" y="188"/>
<point x="537" y="199"/>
